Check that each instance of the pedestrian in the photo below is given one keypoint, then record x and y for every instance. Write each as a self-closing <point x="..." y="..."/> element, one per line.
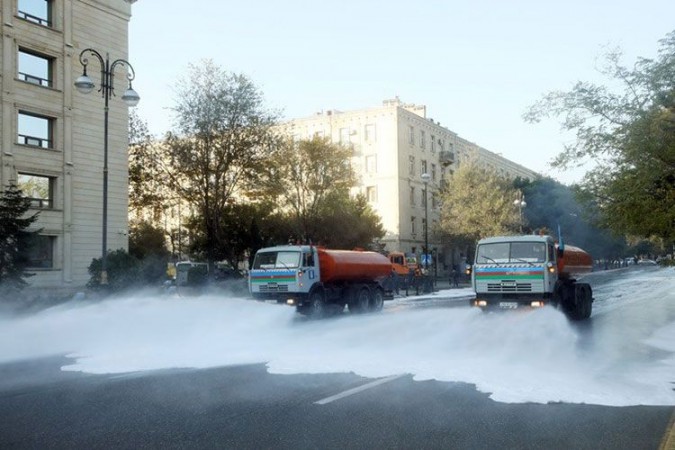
<point x="455" y="277"/>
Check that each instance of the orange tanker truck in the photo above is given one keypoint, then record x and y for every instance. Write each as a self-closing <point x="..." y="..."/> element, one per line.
<point x="531" y="271"/>
<point x="316" y="280"/>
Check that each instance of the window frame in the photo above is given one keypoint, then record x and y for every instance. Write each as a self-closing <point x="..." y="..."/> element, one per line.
<point x="49" y="140"/>
<point x="37" y="202"/>
<point x="344" y="135"/>
<point x="370" y="132"/>
<point x="371" y="194"/>
<point x="371" y="163"/>
<point x="32" y="78"/>
<point x="51" y="252"/>
<point x="42" y="21"/>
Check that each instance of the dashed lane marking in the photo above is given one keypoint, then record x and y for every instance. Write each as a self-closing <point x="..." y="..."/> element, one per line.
<point x="356" y="390"/>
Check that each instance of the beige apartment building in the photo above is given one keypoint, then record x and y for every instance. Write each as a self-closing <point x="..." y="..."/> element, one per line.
<point x="52" y="136"/>
<point x="395" y="144"/>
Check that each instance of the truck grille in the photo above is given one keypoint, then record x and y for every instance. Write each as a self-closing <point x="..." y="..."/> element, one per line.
<point x="506" y="286"/>
<point x="273" y="287"/>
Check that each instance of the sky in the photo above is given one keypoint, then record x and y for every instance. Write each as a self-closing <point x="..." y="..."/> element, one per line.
<point x="612" y="364"/>
<point x="477" y="66"/>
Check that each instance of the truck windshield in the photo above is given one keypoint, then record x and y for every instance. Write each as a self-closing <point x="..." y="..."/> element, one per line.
<point x="277" y="260"/>
<point x="508" y="252"/>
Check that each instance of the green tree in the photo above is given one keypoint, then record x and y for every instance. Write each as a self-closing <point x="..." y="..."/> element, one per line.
<point x="223" y="135"/>
<point x="348" y="222"/>
<point x="303" y="176"/>
<point x="240" y="229"/>
<point x="147" y="190"/>
<point x="477" y="203"/>
<point x="147" y="240"/>
<point x="630" y="133"/>
<point x="15" y="239"/>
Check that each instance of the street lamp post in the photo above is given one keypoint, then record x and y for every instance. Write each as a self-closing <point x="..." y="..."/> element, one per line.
<point x="85" y="85"/>
<point x="520" y="203"/>
<point x="425" y="179"/>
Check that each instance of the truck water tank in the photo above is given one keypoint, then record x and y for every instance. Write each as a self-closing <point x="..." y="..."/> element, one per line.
<point x="348" y="265"/>
<point x="574" y="261"/>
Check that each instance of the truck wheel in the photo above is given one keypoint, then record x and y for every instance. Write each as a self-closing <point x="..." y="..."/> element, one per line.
<point x="317" y="304"/>
<point x="360" y="301"/>
<point x="588" y="300"/>
<point x="578" y="305"/>
<point x="377" y="300"/>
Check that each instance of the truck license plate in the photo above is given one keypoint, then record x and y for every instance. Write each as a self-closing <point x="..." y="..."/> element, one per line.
<point x="508" y="305"/>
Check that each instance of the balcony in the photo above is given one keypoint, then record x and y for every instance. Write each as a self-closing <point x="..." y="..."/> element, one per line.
<point x="446" y="158"/>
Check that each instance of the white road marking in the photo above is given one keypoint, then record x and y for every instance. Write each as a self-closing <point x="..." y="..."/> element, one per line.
<point x="356" y="390"/>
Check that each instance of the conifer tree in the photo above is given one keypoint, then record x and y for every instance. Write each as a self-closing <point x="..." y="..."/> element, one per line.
<point x="15" y="239"/>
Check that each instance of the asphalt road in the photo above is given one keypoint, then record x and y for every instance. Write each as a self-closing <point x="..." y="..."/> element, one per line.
<point x="246" y="407"/>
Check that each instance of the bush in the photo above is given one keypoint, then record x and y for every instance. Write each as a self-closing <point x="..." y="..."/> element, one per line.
<point x="126" y="271"/>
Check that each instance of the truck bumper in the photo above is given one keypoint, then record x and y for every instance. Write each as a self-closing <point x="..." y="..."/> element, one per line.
<point x="484" y="301"/>
<point x="284" y="298"/>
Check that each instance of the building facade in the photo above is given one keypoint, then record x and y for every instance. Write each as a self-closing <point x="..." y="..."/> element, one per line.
<point x="51" y="136"/>
<point x="395" y="144"/>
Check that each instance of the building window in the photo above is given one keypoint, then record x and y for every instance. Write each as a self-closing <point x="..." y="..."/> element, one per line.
<point x="371" y="194"/>
<point x="37" y="11"/>
<point x="39" y="189"/>
<point x="433" y="143"/>
<point x="412" y="226"/>
<point x="411" y="135"/>
<point x="423" y="167"/>
<point x="433" y="172"/>
<point x="344" y="135"/>
<point x="370" y="132"/>
<point x="424" y="198"/>
<point x="412" y="195"/>
<point x="41" y="252"/>
<point x="434" y="201"/>
<point x="371" y="163"/>
<point x="35" y="130"/>
<point x="423" y="139"/>
<point x="35" y="68"/>
<point x="411" y="165"/>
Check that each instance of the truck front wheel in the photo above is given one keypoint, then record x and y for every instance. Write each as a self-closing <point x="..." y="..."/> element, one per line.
<point x="317" y="305"/>
<point x="577" y="301"/>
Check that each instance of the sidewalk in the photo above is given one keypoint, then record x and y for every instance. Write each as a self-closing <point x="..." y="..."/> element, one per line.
<point x="442" y="291"/>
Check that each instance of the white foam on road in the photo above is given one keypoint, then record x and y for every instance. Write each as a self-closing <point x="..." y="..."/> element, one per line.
<point x="516" y="357"/>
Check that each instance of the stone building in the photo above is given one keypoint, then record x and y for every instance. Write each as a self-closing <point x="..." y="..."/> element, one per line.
<point x="395" y="144"/>
<point x="52" y="136"/>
